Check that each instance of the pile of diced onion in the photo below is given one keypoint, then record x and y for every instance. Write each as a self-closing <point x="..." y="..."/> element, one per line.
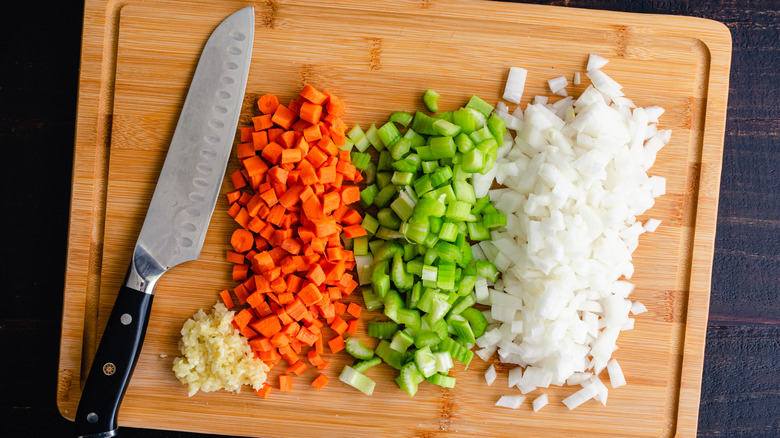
<point x="574" y="177"/>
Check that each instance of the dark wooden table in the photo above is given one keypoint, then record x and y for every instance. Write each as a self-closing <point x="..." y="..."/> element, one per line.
<point x="38" y="87"/>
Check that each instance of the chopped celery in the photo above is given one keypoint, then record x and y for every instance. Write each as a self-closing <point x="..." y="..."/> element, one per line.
<point x="362" y="366"/>
<point x="394" y="358"/>
<point x="401" y="341"/>
<point x="357" y="380"/>
<point x="382" y="329"/>
<point x="358" y="349"/>
<point x="370" y="223"/>
<point x="480" y="105"/>
<point x="402" y="118"/>
<point x="476" y="319"/>
<point x="409" y="379"/>
<point x="388" y="133"/>
<point x="388" y="219"/>
<point x="442" y="380"/>
<point x="431" y="98"/>
<point x="444" y="127"/>
<point x="371" y="300"/>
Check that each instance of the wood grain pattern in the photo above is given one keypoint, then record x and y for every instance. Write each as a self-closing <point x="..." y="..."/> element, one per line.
<point x="137" y="62"/>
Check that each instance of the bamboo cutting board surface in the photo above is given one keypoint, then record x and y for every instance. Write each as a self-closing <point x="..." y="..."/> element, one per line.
<point x="137" y="60"/>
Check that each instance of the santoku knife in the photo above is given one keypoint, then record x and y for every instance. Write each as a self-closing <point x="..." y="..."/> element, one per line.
<point x="178" y="216"/>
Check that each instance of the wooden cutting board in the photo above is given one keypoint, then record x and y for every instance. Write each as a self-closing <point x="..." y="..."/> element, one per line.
<point x="137" y="60"/>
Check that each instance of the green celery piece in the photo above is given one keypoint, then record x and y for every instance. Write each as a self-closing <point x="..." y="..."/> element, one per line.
<point x="385" y="195"/>
<point x="441" y="176"/>
<point x="410" y="252"/>
<point x="437" y="325"/>
<point x="487" y="269"/>
<point x="416" y="139"/>
<point x="462" y="303"/>
<point x="410" y="318"/>
<point x="358" y="349"/>
<point x="402" y="118"/>
<point x="458" y="351"/>
<point x="360" y="245"/>
<point x="446" y="115"/>
<point x="478" y="232"/>
<point x="448" y="252"/>
<point x="388" y="133"/>
<point x="446" y="128"/>
<point x="481" y="204"/>
<point x="425" y="153"/>
<point x="373" y="137"/>
<point x="402" y="279"/>
<point x="382" y="330"/>
<point x="362" y="366"/>
<point x="462" y="329"/>
<point x="466" y="285"/>
<point x="480" y="105"/>
<point x="464" y="192"/>
<point x="380" y="280"/>
<point x="409" y="379"/>
<point x="426" y="299"/>
<point x="368" y="194"/>
<point x="416" y="230"/>
<point x="448" y="232"/>
<point x="395" y="359"/>
<point x="493" y="220"/>
<point x="360" y="160"/>
<point x="429" y="166"/>
<point x="401" y="341"/>
<point x="423" y="124"/>
<point x="371" y="300"/>
<point x="393" y="302"/>
<point x="422" y="185"/>
<point x="466" y="253"/>
<point x="355" y="133"/>
<point x="413" y="296"/>
<point x="497" y="127"/>
<point x="370" y="172"/>
<point x="466" y="119"/>
<point x="442" y="147"/>
<point x="425" y="361"/>
<point x="402" y="178"/>
<point x="442" y="380"/>
<point x="481" y="135"/>
<point x="385" y="161"/>
<point x="383" y="178"/>
<point x="476" y="319"/>
<point x="357" y="380"/>
<point x="388" y="219"/>
<point x="426" y="207"/>
<point x="387" y="251"/>
<point x="431" y="98"/>
<point x="445" y="278"/>
<point x="410" y="163"/>
<point x="458" y="210"/>
<point x="473" y="161"/>
<point x="464" y="143"/>
<point x="440" y="306"/>
<point x="400" y="148"/>
<point x="348" y="144"/>
<point x="414" y="267"/>
<point x="370" y="224"/>
<point x="425" y="338"/>
<point x="435" y="223"/>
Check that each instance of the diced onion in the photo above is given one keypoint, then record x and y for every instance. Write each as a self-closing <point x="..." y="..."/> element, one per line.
<point x="540" y="402"/>
<point x="575" y="181"/>
<point x="510" y="401"/>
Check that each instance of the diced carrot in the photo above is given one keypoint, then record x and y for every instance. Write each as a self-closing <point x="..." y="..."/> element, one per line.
<point x="297" y="368"/>
<point x="227" y="299"/>
<point x="352" y="326"/>
<point x="320" y="381"/>
<point x="337" y="344"/>
<point x="313" y="95"/>
<point x="354" y="309"/>
<point x="267" y="104"/>
<point x="284" y="117"/>
<point x="285" y="382"/>
<point x="264" y="391"/>
<point x="339" y="326"/>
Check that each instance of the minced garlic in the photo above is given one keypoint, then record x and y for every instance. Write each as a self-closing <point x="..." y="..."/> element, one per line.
<point x="216" y="356"/>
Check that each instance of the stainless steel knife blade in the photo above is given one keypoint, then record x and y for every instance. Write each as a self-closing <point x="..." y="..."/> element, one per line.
<point x="178" y="216"/>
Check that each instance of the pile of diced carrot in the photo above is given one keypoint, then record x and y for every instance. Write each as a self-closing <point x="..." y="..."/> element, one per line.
<point x="291" y="200"/>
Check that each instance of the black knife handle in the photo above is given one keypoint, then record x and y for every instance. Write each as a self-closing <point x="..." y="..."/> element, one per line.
<point x="113" y="365"/>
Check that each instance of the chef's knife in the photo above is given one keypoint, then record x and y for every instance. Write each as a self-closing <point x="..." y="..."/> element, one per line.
<point x="178" y="216"/>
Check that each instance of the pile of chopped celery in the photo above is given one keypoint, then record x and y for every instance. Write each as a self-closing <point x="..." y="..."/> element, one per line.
<point x="416" y="265"/>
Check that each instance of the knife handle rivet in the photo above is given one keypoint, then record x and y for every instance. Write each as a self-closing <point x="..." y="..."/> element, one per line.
<point x="109" y="369"/>
<point x="126" y="319"/>
<point x="92" y="418"/>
